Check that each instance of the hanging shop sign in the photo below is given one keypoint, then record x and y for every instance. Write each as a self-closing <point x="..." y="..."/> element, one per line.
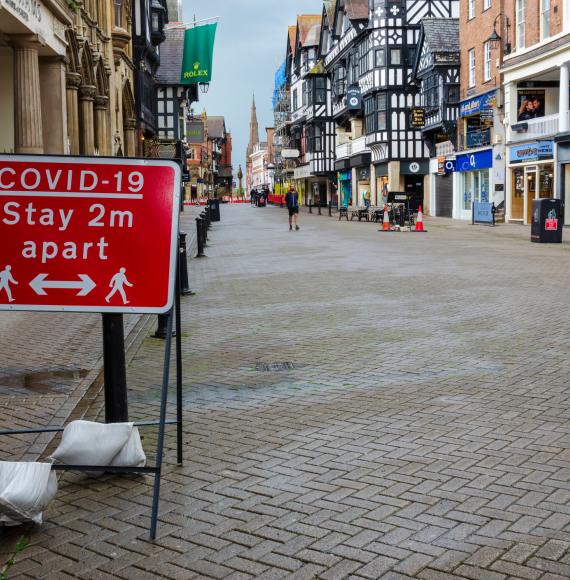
<point x="75" y="233"/>
<point x="474" y="161"/>
<point x="198" y="54"/>
<point x="531" y="151"/>
<point x="414" y="167"/>
<point x="195" y="132"/>
<point x="417" y="117"/>
<point x="354" y="98"/>
<point x="345" y="176"/>
<point x="363" y="174"/>
<point x="475" y="105"/>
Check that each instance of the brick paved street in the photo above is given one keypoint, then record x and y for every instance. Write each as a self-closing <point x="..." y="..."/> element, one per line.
<point x="420" y="428"/>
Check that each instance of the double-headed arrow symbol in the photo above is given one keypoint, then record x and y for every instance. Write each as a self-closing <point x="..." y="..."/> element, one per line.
<point x="84" y="284"/>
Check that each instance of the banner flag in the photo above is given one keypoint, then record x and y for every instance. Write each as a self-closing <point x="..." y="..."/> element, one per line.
<point x="198" y="54"/>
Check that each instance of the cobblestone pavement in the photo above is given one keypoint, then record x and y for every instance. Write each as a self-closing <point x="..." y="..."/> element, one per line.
<point x="357" y="404"/>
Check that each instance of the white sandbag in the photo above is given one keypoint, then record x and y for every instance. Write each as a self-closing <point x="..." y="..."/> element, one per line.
<point x="26" y="488"/>
<point x="90" y="443"/>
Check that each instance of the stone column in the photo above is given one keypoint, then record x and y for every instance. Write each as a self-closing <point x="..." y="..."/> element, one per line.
<point x="101" y="124"/>
<point x="373" y="192"/>
<point x="28" y="136"/>
<point x="86" y="130"/>
<point x="53" y="99"/>
<point x="72" y="82"/>
<point x="130" y="126"/>
<point x="563" y="99"/>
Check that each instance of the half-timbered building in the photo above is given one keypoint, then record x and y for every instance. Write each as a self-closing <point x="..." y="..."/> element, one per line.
<point x="436" y="70"/>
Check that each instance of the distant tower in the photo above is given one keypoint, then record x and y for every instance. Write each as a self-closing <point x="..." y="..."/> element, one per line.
<point x="253" y="141"/>
<point x="174" y="10"/>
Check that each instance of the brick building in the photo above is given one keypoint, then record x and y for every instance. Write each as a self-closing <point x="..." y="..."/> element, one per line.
<point x="480" y="161"/>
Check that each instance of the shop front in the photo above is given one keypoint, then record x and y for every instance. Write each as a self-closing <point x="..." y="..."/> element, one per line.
<point x="563" y="173"/>
<point x="474" y="182"/>
<point x="531" y="176"/>
<point x="361" y="190"/>
<point x="414" y="173"/>
<point x="381" y="176"/>
<point x="345" y="188"/>
<point x="442" y="170"/>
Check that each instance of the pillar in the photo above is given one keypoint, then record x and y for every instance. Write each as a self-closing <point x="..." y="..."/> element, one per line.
<point x="130" y="142"/>
<point x="28" y="135"/>
<point x="354" y="192"/>
<point x="87" y="128"/>
<point x="101" y="125"/>
<point x="563" y="99"/>
<point x="373" y="192"/>
<point x="54" y="109"/>
<point x="72" y="82"/>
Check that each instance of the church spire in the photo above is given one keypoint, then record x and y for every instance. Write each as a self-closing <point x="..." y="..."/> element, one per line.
<point x="253" y="129"/>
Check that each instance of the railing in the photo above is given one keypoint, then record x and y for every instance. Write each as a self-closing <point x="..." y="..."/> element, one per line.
<point x="344" y="150"/>
<point x="533" y="128"/>
<point x="359" y="145"/>
<point x="445" y="148"/>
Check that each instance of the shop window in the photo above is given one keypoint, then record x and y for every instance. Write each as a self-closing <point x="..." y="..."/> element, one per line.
<point x="475" y="188"/>
<point x="544" y="19"/>
<point x="395" y="56"/>
<point x="472" y="67"/>
<point x="520" y="23"/>
<point x="379" y="58"/>
<point x="487" y="61"/>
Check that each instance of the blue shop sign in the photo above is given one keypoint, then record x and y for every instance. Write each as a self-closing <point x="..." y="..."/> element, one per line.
<point x="346" y="176"/>
<point x="450" y="166"/>
<point x="482" y="212"/>
<point x="474" y="161"/>
<point x="531" y="151"/>
<point x="477" y="104"/>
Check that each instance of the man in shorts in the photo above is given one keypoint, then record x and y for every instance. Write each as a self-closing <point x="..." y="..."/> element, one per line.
<point x="292" y="201"/>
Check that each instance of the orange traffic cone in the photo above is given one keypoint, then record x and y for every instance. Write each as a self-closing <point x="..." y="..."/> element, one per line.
<point x="420" y="221"/>
<point x="385" y="221"/>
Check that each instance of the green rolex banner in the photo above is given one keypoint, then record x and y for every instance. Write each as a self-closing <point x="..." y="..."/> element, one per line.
<point x="198" y="54"/>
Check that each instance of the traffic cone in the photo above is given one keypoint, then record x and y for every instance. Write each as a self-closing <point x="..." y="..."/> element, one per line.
<point x="420" y="221"/>
<point x="385" y="221"/>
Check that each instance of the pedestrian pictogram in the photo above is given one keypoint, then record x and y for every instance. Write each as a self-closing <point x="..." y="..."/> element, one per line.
<point x="88" y="234"/>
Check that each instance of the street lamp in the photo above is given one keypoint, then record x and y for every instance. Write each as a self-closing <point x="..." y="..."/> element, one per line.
<point x="495" y="39"/>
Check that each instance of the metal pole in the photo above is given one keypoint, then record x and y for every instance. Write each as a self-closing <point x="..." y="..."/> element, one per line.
<point x="330" y="207"/>
<point x="178" y="363"/>
<point x="160" y="443"/>
<point x="183" y="267"/>
<point x="116" y="401"/>
<point x="199" y="239"/>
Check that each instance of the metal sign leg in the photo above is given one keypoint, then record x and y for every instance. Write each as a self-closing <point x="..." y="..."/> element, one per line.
<point x="160" y="443"/>
<point x="178" y="366"/>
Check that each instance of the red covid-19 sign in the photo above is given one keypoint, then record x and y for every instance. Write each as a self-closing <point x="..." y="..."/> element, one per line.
<point x="88" y="234"/>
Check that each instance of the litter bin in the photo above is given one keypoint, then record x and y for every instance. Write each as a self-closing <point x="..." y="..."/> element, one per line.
<point x="547" y="221"/>
<point x="214" y="209"/>
<point x="261" y="202"/>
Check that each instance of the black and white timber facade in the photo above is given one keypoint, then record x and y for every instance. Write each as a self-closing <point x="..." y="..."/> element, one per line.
<point x="367" y="61"/>
<point x="436" y="70"/>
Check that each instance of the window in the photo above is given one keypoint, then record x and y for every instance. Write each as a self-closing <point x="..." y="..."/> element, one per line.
<point x="304" y="98"/>
<point x="295" y="100"/>
<point x="339" y="76"/>
<point x="320" y="91"/>
<point x="471" y="9"/>
<point x="487" y="61"/>
<point x="486" y="5"/>
<point x="379" y="58"/>
<point x="544" y="19"/>
<point x="452" y="94"/>
<point x="395" y="56"/>
<point x="411" y="56"/>
<point x="118" y="15"/>
<point x="472" y="67"/>
<point x="475" y="187"/>
<point x="430" y="87"/>
<point x="381" y="101"/>
<point x="369" y="124"/>
<point x="363" y="57"/>
<point x="520" y="23"/>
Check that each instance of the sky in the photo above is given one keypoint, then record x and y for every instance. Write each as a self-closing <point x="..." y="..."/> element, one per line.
<point x="251" y="40"/>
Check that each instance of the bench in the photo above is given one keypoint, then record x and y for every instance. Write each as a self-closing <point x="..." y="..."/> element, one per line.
<point x="343" y="212"/>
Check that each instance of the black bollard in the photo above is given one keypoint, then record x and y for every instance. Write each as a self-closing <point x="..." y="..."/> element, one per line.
<point x="183" y="267"/>
<point x="161" y="329"/>
<point x="319" y="210"/>
<point x="310" y="206"/>
<point x="330" y="208"/>
<point x="200" y="238"/>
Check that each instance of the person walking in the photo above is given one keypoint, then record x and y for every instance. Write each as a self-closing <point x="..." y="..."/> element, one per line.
<point x="292" y="201"/>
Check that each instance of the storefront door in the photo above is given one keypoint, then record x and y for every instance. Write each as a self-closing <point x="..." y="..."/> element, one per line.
<point x="530" y="190"/>
<point x="538" y="183"/>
